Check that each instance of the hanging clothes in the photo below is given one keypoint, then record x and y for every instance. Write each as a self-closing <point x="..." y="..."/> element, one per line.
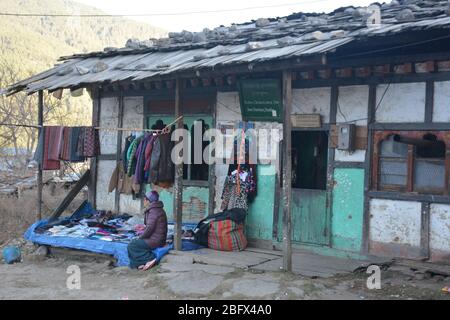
<point x="132" y="157"/>
<point x="69" y="145"/>
<point x="232" y="197"/>
<point x="51" y="134"/>
<point x="55" y="134"/>
<point x="140" y="160"/>
<point x="73" y="144"/>
<point x="120" y="180"/>
<point x="39" y="152"/>
<point x="64" y="154"/>
<point x="128" y="141"/>
<point x="88" y="142"/>
<point x="91" y="142"/>
<point x="251" y="185"/>
<point x="154" y="161"/>
<point x="166" y="170"/>
<point x="148" y="157"/>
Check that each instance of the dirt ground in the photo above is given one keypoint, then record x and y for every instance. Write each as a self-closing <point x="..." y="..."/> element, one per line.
<point x="45" y="277"/>
<point x="18" y="214"/>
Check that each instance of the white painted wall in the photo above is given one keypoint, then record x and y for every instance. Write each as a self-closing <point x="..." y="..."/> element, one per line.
<point x="441" y="109"/>
<point x="403" y="102"/>
<point x="440" y="228"/>
<point x="312" y="100"/>
<point x="353" y="104"/>
<point x="109" y="116"/>
<point x="105" y="200"/>
<point x="133" y="117"/>
<point x="345" y="156"/>
<point x="228" y="107"/>
<point x="395" y="222"/>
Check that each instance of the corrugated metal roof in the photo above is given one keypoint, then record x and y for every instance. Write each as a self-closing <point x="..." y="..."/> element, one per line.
<point x="294" y="36"/>
<point x="143" y="66"/>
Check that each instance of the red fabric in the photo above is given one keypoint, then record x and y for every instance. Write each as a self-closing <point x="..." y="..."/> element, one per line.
<point x="47" y="163"/>
<point x="54" y="135"/>
<point x="226" y="235"/>
<point x="64" y="153"/>
<point x="91" y="141"/>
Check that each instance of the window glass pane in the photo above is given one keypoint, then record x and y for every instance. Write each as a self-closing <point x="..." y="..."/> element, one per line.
<point x="391" y="148"/>
<point x="429" y="175"/>
<point x="393" y="172"/>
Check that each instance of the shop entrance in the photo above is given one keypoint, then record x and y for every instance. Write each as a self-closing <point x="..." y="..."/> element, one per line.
<point x="310" y="210"/>
<point x="197" y="119"/>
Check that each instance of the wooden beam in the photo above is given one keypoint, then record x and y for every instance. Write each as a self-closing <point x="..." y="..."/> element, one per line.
<point x="212" y="167"/>
<point x="40" y="175"/>
<point x="119" y="150"/>
<point x="287" y="171"/>
<point x="178" y="185"/>
<point x="96" y="105"/>
<point x="70" y="196"/>
<point x="429" y="101"/>
<point x="425" y="231"/>
<point x="368" y="164"/>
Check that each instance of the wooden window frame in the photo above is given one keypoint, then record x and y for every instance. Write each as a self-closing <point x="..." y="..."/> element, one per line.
<point x="380" y="136"/>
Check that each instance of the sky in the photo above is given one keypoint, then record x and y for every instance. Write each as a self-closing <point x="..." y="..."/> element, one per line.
<point x="239" y="10"/>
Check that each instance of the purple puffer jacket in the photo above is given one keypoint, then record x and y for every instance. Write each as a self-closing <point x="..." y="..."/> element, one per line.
<point x="155" y="220"/>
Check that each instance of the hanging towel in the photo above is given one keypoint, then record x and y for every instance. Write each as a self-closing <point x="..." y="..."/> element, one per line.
<point x="73" y="145"/>
<point x="47" y="163"/>
<point x="55" y="134"/>
<point x="39" y="153"/>
<point x="64" y="154"/>
<point x="91" y="141"/>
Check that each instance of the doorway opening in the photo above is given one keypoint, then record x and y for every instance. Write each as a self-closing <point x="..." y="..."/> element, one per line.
<point x="309" y="160"/>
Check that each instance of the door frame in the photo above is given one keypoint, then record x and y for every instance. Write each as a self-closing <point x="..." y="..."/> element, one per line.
<point x="329" y="184"/>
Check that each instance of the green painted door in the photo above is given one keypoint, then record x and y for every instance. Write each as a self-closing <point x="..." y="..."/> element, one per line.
<point x="310" y="210"/>
<point x="309" y="216"/>
<point x="195" y="181"/>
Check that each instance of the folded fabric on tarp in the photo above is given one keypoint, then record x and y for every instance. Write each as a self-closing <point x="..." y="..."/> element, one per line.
<point x="117" y="249"/>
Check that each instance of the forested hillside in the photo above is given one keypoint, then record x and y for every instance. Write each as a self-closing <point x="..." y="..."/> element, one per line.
<point x="38" y="41"/>
<point x="29" y="45"/>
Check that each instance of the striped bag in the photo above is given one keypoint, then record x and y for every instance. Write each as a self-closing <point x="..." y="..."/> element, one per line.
<point x="226" y="235"/>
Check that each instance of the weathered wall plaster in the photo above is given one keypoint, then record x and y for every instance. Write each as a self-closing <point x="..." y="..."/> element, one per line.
<point x="402" y="102"/>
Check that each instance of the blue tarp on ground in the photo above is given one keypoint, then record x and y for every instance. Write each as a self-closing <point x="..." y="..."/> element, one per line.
<point x="116" y="249"/>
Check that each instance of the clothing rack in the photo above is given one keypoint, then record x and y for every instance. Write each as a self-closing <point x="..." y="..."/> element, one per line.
<point x="103" y="128"/>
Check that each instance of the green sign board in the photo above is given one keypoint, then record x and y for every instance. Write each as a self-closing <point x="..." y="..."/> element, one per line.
<point x="261" y="100"/>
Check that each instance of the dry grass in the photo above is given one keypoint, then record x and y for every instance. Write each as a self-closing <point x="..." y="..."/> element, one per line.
<point x="18" y="214"/>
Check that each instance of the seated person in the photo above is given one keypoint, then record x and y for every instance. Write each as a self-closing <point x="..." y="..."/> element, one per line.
<point x="154" y="236"/>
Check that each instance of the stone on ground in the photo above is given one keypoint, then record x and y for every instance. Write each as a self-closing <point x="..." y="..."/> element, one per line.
<point x="195" y="282"/>
<point x="255" y="287"/>
<point x="185" y="267"/>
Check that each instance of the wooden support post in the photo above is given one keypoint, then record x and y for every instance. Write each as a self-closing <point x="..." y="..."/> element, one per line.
<point x="287" y="170"/>
<point x="212" y="167"/>
<point x="92" y="187"/>
<point x="40" y="175"/>
<point x="119" y="150"/>
<point x="178" y="185"/>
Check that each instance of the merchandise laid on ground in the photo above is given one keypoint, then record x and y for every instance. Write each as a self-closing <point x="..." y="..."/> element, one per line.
<point x="102" y="232"/>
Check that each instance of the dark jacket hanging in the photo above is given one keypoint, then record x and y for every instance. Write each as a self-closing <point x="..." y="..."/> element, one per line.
<point x="166" y="170"/>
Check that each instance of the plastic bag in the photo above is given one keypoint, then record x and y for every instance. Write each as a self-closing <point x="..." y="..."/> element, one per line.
<point x="11" y="254"/>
